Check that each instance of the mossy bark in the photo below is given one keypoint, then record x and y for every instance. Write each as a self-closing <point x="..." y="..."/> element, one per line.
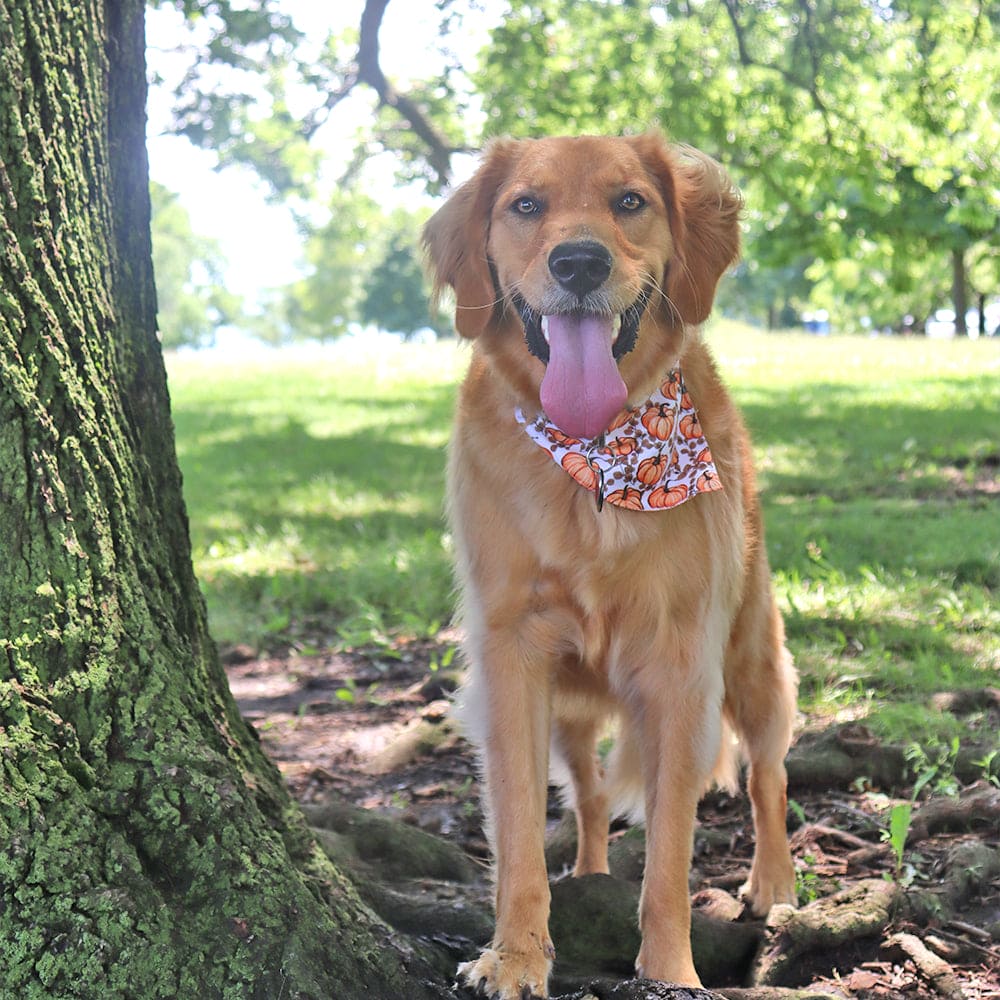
<point x="147" y="847"/>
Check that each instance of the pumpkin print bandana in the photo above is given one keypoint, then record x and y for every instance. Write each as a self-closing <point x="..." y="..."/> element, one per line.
<point x="653" y="457"/>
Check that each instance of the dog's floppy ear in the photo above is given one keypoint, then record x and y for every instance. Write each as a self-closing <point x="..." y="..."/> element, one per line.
<point x="704" y="209"/>
<point x="456" y="238"/>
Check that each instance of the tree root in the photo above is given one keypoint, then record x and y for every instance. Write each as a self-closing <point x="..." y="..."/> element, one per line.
<point x="644" y="989"/>
<point x="839" y="756"/>
<point x="638" y="989"/>
<point x="861" y="911"/>
<point x="442" y="900"/>
<point x="935" y="971"/>
<point x="774" y="993"/>
<point x="595" y="930"/>
<point x="395" y="849"/>
<point x="977" y="807"/>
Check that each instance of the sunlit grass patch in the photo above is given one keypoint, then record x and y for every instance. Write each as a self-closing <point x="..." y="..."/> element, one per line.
<point x="315" y="488"/>
<point x="878" y="463"/>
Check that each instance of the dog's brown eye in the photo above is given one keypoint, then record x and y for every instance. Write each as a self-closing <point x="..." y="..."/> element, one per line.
<point x="631" y="202"/>
<point x="526" y="206"/>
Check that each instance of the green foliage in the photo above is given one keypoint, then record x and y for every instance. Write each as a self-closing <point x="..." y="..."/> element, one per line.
<point x="850" y="126"/>
<point x="895" y="835"/>
<point x="988" y="763"/>
<point x="562" y="66"/>
<point x="933" y="765"/>
<point x="809" y="885"/>
<point x="192" y="302"/>
<point x="396" y="294"/>
<point x="444" y="662"/>
<point x="364" y="268"/>
<point x="242" y="60"/>
<point x="338" y="253"/>
<point x="866" y="136"/>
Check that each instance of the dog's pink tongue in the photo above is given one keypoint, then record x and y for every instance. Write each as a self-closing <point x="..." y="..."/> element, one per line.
<point x="582" y="391"/>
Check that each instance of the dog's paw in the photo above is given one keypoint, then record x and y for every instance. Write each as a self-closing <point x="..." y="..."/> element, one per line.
<point x="508" y="975"/>
<point x="765" y="889"/>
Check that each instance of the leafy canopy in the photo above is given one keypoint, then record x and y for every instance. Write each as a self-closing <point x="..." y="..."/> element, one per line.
<point x="866" y="133"/>
<point x="192" y="301"/>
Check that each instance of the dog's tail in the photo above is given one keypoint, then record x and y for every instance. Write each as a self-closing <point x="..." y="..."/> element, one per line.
<point x="623" y="774"/>
<point x="726" y="770"/>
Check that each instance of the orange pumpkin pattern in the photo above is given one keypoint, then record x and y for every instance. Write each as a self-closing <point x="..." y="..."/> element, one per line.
<point x="621" y="446"/>
<point x="578" y="466"/>
<point x="560" y="438"/>
<point x="690" y="427"/>
<point x="664" y="497"/>
<point x="651" y="470"/>
<point x="672" y="385"/>
<point x="628" y="498"/>
<point x="708" y="481"/>
<point x="659" y="420"/>
<point x="651" y="457"/>
<point x="619" y="421"/>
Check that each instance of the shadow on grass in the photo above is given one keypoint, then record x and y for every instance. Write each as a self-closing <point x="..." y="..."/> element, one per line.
<point x="292" y="519"/>
<point x="891" y="652"/>
<point x="294" y="515"/>
<point x="842" y="441"/>
<point x="264" y="472"/>
<point x="890" y="673"/>
<point x="879" y="481"/>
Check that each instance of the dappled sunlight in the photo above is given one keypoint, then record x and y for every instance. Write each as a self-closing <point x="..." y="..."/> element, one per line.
<point x="316" y="487"/>
<point x="869" y="638"/>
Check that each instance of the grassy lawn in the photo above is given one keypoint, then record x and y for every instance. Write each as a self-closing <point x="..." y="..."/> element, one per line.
<point x="314" y="487"/>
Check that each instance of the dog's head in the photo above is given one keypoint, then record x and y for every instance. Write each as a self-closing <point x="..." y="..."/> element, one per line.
<point x="593" y="253"/>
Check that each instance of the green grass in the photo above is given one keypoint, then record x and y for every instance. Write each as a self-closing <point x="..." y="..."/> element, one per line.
<point x="315" y="495"/>
<point x="876" y="461"/>
<point x="314" y="490"/>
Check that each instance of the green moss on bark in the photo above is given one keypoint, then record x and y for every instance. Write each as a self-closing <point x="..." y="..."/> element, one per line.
<point x="147" y="847"/>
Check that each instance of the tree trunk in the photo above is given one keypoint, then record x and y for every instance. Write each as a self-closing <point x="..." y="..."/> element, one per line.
<point x="959" y="296"/>
<point x="147" y="847"/>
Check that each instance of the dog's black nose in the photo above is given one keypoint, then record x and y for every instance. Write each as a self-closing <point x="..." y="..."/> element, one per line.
<point x="580" y="267"/>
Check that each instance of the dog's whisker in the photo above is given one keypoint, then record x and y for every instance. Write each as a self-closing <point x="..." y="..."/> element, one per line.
<point x="654" y="286"/>
<point x="499" y="300"/>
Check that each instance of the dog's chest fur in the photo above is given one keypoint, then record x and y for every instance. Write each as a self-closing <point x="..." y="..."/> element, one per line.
<point x="597" y="594"/>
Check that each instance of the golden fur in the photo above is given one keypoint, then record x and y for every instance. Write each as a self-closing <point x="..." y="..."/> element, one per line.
<point x="662" y="620"/>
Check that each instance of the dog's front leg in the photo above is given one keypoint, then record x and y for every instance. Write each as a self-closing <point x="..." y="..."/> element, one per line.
<point x="680" y="736"/>
<point x="514" y="706"/>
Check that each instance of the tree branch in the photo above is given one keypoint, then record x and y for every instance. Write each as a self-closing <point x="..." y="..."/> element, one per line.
<point x="370" y="72"/>
<point x="809" y="87"/>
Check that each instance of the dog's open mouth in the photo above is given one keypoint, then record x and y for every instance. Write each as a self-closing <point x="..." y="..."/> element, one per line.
<point x="625" y="327"/>
<point x="582" y="390"/>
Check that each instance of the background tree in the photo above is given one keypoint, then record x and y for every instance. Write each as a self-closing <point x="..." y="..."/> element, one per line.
<point x="327" y="299"/>
<point x="233" y="97"/>
<point x="866" y="135"/>
<point x="362" y="266"/>
<point x="862" y="132"/>
<point x="147" y="847"/>
<point x="192" y="301"/>
<point x="397" y="297"/>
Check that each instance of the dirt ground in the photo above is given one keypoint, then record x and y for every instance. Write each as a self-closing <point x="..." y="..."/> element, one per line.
<point x="374" y="729"/>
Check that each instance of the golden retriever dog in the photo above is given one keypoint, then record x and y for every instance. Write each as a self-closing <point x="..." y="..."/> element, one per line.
<point x="607" y="530"/>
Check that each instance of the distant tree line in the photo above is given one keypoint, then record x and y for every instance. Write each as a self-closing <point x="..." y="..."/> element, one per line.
<point x="866" y="135"/>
